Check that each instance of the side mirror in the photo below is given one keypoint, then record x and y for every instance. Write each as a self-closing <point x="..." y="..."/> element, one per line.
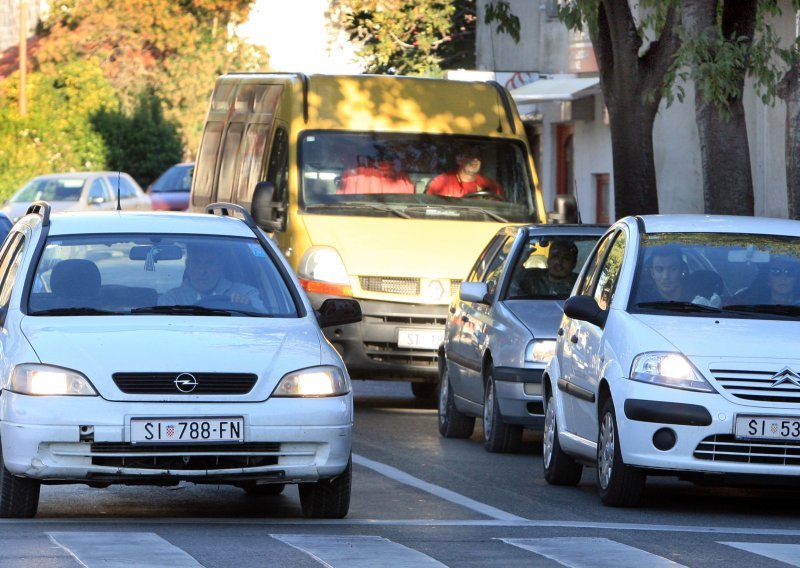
<point x="565" y="210"/>
<point x="585" y="308"/>
<point x="96" y="200"/>
<point x="268" y="213"/>
<point x="474" y="292"/>
<point x="338" y="311"/>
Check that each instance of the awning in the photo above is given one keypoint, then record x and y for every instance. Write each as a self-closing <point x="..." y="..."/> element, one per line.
<point x="545" y="90"/>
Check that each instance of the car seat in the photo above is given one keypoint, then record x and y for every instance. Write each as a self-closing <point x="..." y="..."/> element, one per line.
<point x="75" y="280"/>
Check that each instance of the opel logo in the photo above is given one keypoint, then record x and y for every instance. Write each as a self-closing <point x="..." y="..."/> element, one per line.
<point x="786" y="375"/>
<point x="186" y="382"/>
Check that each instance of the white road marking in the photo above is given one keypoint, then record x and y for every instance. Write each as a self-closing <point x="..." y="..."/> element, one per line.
<point x="122" y="550"/>
<point x="358" y="551"/>
<point x="435" y="490"/>
<point x="578" y="552"/>
<point x="788" y="553"/>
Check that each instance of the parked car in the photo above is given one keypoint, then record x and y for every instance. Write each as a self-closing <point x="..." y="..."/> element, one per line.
<point x="170" y="192"/>
<point x="154" y="348"/>
<point x="79" y="191"/>
<point x="664" y="366"/>
<point x="501" y="329"/>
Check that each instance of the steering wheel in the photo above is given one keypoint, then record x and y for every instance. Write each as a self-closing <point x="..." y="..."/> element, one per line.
<point x="218" y="301"/>
<point x="482" y="194"/>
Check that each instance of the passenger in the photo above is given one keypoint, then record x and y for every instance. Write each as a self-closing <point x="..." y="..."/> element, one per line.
<point x="465" y="180"/>
<point x="204" y="279"/>
<point x="778" y="287"/>
<point x="558" y="278"/>
<point x="668" y="270"/>
<point x="370" y="177"/>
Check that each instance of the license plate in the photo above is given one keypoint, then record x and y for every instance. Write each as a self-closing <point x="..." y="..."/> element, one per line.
<point x="186" y="430"/>
<point x="768" y="427"/>
<point x="420" y="338"/>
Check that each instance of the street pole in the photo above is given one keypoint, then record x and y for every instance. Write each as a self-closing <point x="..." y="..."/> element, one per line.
<point x="23" y="58"/>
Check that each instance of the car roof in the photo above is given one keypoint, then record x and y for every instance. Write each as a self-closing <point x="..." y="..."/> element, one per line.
<point x="695" y="223"/>
<point x="110" y="222"/>
<point x="78" y="175"/>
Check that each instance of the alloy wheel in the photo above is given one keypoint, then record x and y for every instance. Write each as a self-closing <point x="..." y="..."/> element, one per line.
<point x="549" y="433"/>
<point x="605" y="455"/>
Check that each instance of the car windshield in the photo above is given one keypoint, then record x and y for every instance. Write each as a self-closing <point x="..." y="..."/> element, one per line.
<point x="158" y="274"/>
<point x="177" y="178"/>
<point x="725" y="275"/>
<point x="548" y="266"/>
<point x="50" y="189"/>
<point x="478" y="179"/>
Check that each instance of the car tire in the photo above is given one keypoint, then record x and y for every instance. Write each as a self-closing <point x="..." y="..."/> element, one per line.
<point x="619" y="485"/>
<point x="452" y="423"/>
<point x="424" y="391"/>
<point x="266" y="489"/>
<point x="19" y="496"/>
<point x="559" y="468"/>
<point x="497" y="435"/>
<point x="327" y="498"/>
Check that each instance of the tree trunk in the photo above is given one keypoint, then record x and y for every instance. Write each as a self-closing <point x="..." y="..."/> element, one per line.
<point x="789" y="91"/>
<point x="724" y="147"/>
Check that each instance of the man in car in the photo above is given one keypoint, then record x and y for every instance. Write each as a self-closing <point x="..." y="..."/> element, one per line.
<point x="668" y="270"/>
<point x="558" y="278"/>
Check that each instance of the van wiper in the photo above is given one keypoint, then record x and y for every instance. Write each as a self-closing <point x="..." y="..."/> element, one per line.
<point x="772" y="309"/>
<point x="354" y="205"/>
<point x="83" y="311"/>
<point x="675" y="306"/>
<point x="491" y="214"/>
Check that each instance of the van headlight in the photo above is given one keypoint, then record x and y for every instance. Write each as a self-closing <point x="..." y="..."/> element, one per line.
<point x="44" y="380"/>
<point x="322" y="271"/>
<point x="668" y="370"/>
<point x="313" y="382"/>
<point x="540" y="351"/>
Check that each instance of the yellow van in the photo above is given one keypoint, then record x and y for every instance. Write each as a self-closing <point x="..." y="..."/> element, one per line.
<point x="358" y="180"/>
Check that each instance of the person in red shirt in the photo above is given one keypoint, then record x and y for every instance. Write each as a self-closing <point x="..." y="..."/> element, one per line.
<point x="466" y="179"/>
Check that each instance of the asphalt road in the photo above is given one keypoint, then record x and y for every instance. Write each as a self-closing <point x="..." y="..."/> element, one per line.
<point x="418" y="500"/>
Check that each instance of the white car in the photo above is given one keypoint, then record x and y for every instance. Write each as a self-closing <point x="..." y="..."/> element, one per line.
<point x="678" y="355"/>
<point x="150" y="348"/>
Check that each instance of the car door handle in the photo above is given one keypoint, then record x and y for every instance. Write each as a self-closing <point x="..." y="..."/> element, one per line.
<point x="560" y="331"/>
<point x="574" y="339"/>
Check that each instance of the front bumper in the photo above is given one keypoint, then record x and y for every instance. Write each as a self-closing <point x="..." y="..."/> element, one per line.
<point x="703" y="426"/>
<point x="519" y="396"/>
<point x="87" y="439"/>
<point x="370" y="348"/>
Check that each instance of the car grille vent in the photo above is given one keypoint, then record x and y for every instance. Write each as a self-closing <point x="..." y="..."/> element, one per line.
<point x="165" y="383"/>
<point x="726" y="448"/>
<point x="394" y="285"/>
<point x="390" y="353"/>
<point x="756" y="385"/>
<point x="185" y="456"/>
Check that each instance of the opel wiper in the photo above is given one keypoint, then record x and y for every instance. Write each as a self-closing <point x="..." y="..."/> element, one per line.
<point x="188" y="310"/>
<point x="772" y="309"/>
<point x="83" y="311"/>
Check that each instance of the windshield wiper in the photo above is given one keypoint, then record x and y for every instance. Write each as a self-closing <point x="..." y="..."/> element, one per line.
<point x="182" y="310"/>
<point x="772" y="309"/>
<point x="375" y="206"/>
<point x="686" y="307"/>
<point x="84" y="311"/>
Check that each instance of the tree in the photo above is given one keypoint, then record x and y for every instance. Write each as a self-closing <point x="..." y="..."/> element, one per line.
<point x="411" y="37"/>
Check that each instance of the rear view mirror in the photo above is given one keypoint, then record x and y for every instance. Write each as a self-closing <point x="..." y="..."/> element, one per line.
<point x="474" y="292"/>
<point x="585" y="308"/>
<point x="267" y="209"/>
<point x="338" y="311"/>
<point x="156" y="252"/>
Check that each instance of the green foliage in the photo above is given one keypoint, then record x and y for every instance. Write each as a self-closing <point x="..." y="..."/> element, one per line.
<point x="501" y="13"/>
<point x="411" y="37"/>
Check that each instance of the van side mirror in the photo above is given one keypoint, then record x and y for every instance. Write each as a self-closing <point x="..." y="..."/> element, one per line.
<point x="338" y="311"/>
<point x="585" y="308"/>
<point x="565" y="210"/>
<point x="268" y="213"/>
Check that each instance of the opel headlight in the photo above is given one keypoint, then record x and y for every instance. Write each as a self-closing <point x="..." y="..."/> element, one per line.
<point x="44" y="380"/>
<point x="540" y="351"/>
<point x="668" y="370"/>
<point x="313" y="382"/>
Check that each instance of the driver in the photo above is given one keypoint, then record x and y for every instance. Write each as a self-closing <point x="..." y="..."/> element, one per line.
<point x="465" y="179"/>
<point x="204" y="279"/>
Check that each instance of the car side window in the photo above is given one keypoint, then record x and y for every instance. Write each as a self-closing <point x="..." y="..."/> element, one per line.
<point x="609" y="273"/>
<point x="589" y="274"/>
<point x="9" y="263"/>
<point x="98" y="190"/>
<point x="495" y="268"/>
<point x="482" y="264"/>
<point x="126" y="188"/>
<point x="278" y="170"/>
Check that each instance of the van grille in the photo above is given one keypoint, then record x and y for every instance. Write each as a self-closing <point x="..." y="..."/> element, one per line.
<point x="398" y="285"/>
<point x="726" y="448"/>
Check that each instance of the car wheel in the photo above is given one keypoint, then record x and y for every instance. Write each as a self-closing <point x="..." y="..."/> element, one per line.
<point x="452" y="423"/>
<point x="266" y="489"/>
<point x="619" y="485"/>
<point x="327" y="498"/>
<point x="423" y="390"/>
<point x="497" y="435"/>
<point x="19" y="496"/>
<point x="559" y="468"/>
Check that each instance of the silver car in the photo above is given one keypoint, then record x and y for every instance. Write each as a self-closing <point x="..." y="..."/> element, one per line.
<point x="501" y="331"/>
<point x="79" y="191"/>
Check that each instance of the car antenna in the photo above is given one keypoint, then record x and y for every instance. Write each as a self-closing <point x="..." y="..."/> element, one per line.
<point x="575" y="195"/>
<point x="119" y="205"/>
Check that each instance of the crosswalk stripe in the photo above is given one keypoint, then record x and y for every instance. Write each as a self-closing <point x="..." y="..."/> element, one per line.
<point x="122" y="550"/>
<point x="358" y="551"/>
<point x="788" y="553"/>
<point x="579" y="552"/>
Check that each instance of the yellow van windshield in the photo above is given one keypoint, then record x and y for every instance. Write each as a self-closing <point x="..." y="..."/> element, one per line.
<point x="416" y="176"/>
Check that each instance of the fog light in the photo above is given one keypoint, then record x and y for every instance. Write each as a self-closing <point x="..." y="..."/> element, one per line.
<point x="664" y="439"/>
<point x="533" y="389"/>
